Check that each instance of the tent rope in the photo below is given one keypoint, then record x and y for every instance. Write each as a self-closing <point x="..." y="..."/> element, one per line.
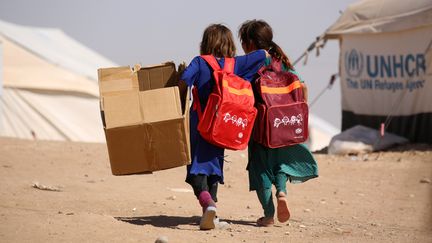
<point x="328" y="87"/>
<point x="317" y="44"/>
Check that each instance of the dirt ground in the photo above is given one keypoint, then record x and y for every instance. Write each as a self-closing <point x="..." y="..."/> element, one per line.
<point x="378" y="197"/>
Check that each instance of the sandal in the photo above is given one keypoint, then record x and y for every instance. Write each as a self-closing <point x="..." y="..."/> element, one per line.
<point x="265" y="221"/>
<point x="283" y="213"/>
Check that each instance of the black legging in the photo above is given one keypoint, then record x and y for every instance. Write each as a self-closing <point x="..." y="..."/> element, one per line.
<point x="202" y="183"/>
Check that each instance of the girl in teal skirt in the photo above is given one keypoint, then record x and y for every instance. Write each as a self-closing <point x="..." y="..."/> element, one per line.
<point x="274" y="166"/>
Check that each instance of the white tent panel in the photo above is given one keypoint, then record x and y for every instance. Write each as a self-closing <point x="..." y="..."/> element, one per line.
<point x="57" y="48"/>
<point x="1" y="83"/>
<point x="374" y="16"/>
<point x="23" y="69"/>
<point x="320" y="132"/>
<point x="51" y="116"/>
<point x="384" y="66"/>
<point x="379" y="78"/>
<point x="49" y="86"/>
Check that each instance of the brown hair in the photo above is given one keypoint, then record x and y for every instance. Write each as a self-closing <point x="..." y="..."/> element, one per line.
<point x="218" y="41"/>
<point x="259" y="33"/>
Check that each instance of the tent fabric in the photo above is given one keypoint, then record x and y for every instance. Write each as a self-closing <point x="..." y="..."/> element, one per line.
<point x="375" y="16"/>
<point x="25" y="70"/>
<point x="54" y="46"/>
<point x="320" y="133"/>
<point x="384" y="66"/>
<point x="49" y="87"/>
<point x="50" y="116"/>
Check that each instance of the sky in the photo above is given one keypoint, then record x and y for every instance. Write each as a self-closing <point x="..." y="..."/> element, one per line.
<point x="151" y="32"/>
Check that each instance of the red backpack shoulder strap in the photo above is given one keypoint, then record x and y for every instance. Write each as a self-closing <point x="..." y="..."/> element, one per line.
<point x="211" y="60"/>
<point x="229" y="65"/>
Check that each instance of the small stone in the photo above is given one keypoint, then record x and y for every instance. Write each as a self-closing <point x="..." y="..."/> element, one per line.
<point x="287" y="233"/>
<point x="425" y="180"/>
<point x="173" y="197"/>
<point x="306" y="210"/>
<point x="361" y="194"/>
<point x="342" y="202"/>
<point x="162" y="239"/>
<point x="323" y="201"/>
<point x="302" y="226"/>
<point x="134" y="209"/>
<point x="265" y="231"/>
<point x="248" y="207"/>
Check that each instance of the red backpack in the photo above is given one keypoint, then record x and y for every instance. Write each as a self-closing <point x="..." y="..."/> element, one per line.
<point x="229" y="115"/>
<point x="282" y="118"/>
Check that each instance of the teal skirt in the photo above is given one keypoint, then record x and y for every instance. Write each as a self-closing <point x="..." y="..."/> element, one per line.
<point x="265" y="163"/>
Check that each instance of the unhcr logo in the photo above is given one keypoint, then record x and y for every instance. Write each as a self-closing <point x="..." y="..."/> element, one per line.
<point x="353" y="63"/>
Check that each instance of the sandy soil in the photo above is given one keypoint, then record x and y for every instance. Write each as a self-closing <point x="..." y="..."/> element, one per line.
<point x="379" y="197"/>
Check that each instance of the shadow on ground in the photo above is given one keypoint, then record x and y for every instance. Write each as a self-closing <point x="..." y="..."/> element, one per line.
<point x="165" y="221"/>
<point x="161" y="220"/>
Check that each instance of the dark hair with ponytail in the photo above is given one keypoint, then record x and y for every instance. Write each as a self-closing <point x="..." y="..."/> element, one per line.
<point x="260" y="34"/>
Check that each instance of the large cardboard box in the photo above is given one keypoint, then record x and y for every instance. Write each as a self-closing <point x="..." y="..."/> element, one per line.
<point x="146" y="120"/>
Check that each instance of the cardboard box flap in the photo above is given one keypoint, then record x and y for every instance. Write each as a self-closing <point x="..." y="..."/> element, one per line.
<point x="160" y="104"/>
<point x="116" y="80"/>
<point x="122" y="109"/>
<point x="156" y="77"/>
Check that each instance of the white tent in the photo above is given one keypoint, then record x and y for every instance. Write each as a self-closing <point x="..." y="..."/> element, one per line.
<point x="385" y="66"/>
<point x="48" y="86"/>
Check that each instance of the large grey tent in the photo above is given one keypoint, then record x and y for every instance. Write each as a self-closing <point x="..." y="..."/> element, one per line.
<point x="48" y="86"/>
<point x="385" y="66"/>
